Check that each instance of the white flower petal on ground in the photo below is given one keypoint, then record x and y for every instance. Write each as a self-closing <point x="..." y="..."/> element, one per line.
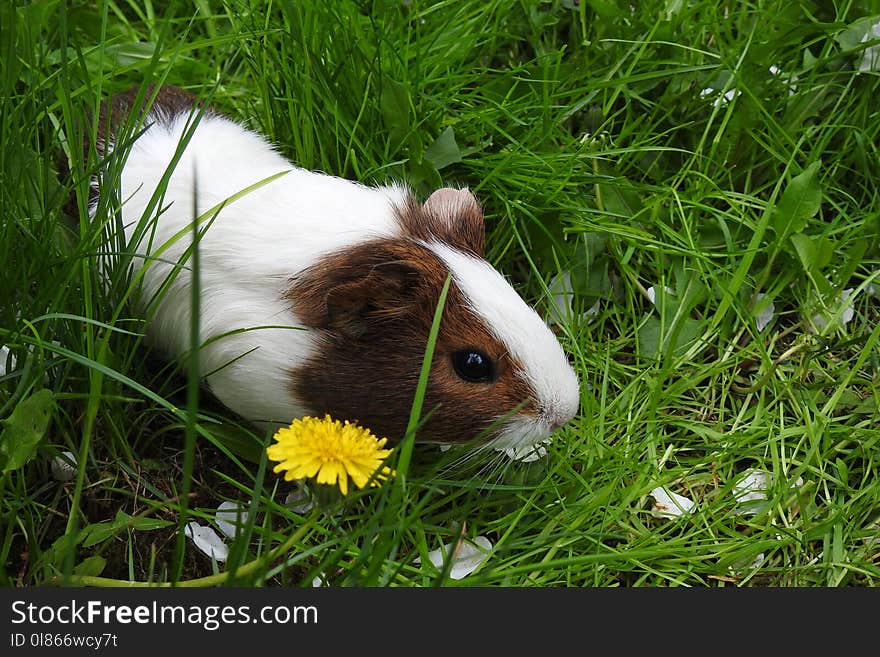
<point x="319" y="580"/>
<point x="6" y="357"/>
<point x="671" y="505"/>
<point x="652" y="293"/>
<point x="871" y="55"/>
<point x="562" y="298"/>
<point x="299" y="500"/>
<point x="789" y="80"/>
<point x="847" y="311"/>
<point x="64" y="466"/>
<point x="750" y="490"/>
<point x="764" y="311"/>
<point x="525" y="453"/>
<point x="592" y="311"/>
<point x="207" y="541"/>
<point x="561" y="295"/>
<point x="720" y="99"/>
<point x="744" y="565"/>
<point x="229" y="518"/>
<point x="467" y="558"/>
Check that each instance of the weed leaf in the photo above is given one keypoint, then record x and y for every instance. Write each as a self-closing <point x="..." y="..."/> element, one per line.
<point x="444" y="151"/>
<point x="799" y="202"/>
<point x="24" y="428"/>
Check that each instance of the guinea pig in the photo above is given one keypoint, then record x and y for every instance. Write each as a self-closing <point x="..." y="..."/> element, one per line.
<point x="317" y="293"/>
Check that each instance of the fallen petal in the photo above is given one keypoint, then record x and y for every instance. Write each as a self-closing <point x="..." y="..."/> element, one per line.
<point x="765" y="311"/>
<point x="207" y="541"/>
<point x="6" y="357"/>
<point x="561" y="294"/>
<point x="671" y="505"/>
<point x="848" y="311"/>
<point x="753" y="486"/>
<point x="229" y="518"/>
<point x="720" y="99"/>
<point x="593" y="310"/>
<point x="744" y="565"/>
<point x="652" y="293"/>
<point x="64" y="466"/>
<point x="467" y="558"/>
<point x="871" y="56"/>
<point x="750" y="491"/>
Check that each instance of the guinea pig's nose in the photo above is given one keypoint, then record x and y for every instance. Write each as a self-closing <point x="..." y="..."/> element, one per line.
<point x="561" y="418"/>
<point x="558" y="424"/>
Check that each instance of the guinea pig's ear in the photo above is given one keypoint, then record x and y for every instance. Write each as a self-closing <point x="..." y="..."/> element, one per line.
<point x="356" y="307"/>
<point x="356" y="293"/>
<point x="455" y="217"/>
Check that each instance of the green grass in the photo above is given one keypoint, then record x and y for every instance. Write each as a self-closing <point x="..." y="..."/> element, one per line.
<point x="582" y="129"/>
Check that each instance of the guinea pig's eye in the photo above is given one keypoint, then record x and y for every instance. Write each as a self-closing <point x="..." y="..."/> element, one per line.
<point x="474" y="366"/>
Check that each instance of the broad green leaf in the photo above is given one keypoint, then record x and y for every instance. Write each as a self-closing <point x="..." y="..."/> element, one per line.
<point x="126" y="54"/>
<point x="652" y="331"/>
<point x="444" y="151"/>
<point x="90" y="567"/>
<point x="799" y="202"/>
<point x="814" y="252"/>
<point x="619" y="197"/>
<point x="851" y="37"/>
<point x="394" y="104"/>
<point x="24" y="429"/>
<point x="606" y="9"/>
<point x="589" y="268"/>
<point x="239" y="441"/>
<point x="99" y="532"/>
<point x="803" y="245"/>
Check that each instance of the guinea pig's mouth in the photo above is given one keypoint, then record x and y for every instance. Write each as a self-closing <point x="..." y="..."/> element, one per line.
<point x="521" y="431"/>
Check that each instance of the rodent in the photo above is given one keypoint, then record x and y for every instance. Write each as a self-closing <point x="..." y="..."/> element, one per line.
<point x="317" y="293"/>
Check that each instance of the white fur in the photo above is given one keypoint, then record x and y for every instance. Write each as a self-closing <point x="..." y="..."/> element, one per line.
<point x="246" y="256"/>
<point x="530" y="341"/>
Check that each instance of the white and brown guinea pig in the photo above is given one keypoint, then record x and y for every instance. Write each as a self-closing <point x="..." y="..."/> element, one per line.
<point x="359" y="268"/>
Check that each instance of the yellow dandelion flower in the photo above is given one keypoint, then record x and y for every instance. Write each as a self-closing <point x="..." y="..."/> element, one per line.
<point x="329" y="451"/>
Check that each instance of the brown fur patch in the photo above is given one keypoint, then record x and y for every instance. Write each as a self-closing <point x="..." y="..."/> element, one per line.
<point x="372" y="307"/>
